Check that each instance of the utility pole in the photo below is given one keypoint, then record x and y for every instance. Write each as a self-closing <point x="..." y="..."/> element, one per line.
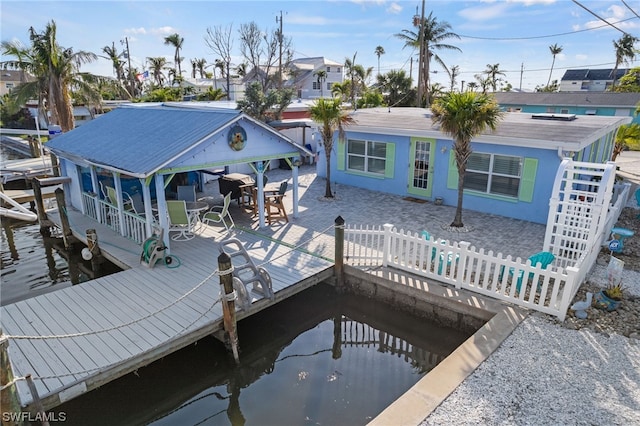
<point x="280" y="56"/>
<point x="420" y="25"/>
<point x="521" y="71"/>
<point x="132" y="82"/>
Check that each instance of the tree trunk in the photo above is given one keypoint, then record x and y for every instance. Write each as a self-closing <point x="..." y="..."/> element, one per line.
<point x="457" y="220"/>
<point x="327" y="153"/>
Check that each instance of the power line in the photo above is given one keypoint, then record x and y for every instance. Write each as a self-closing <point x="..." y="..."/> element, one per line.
<point x="542" y="36"/>
<point x="629" y="7"/>
<point x="602" y="19"/>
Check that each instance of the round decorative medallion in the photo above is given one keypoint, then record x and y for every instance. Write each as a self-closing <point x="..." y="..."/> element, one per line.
<point x="237" y="138"/>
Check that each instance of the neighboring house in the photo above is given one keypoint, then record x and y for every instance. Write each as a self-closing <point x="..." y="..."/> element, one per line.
<point x="588" y="80"/>
<point x="199" y="86"/>
<point x="511" y="170"/>
<point x="305" y="81"/>
<point x="12" y="79"/>
<point x="579" y="103"/>
<point x="142" y="148"/>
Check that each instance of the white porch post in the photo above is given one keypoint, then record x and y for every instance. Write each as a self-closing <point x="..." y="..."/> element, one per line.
<point x="162" y="211"/>
<point x="118" y="184"/>
<point x="148" y="213"/>
<point x="294" y="173"/>
<point x="95" y="184"/>
<point x="260" y="185"/>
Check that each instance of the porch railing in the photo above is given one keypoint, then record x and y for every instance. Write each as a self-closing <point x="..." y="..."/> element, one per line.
<point x="131" y="226"/>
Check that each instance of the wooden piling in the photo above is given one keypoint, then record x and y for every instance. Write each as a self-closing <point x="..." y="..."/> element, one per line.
<point x="55" y="167"/>
<point x="225" y="269"/>
<point x="94" y="248"/>
<point x="9" y="401"/>
<point x="37" y="403"/>
<point x="42" y="214"/>
<point x="67" y="235"/>
<point x="339" y="251"/>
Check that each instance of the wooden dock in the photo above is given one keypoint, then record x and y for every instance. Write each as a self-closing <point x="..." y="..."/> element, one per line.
<point x="79" y="338"/>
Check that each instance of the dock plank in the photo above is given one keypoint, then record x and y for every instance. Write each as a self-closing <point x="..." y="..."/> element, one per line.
<point x="141" y="314"/>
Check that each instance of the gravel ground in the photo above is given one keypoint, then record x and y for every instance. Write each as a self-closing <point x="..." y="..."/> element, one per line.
<point x="578" y="372"/>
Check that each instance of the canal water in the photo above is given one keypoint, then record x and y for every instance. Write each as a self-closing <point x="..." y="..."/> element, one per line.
<point x="317" y="358"/>
<point x="31" y="264"/>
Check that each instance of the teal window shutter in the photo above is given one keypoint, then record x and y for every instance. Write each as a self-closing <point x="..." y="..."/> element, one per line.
<point x="452" y="173"/>
<point x="390" y="160"/>
<point x="528" y="179"/>
<point x="341" y="147"/>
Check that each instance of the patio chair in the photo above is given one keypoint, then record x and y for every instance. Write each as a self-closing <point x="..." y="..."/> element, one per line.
<point x="218" y="214"/>
<point x="274" y="205"/>
<point x="638" y="200"/>
<point x="544" y="258"/>
<point x="187" y="192"/>
<point x="179" y="220"/>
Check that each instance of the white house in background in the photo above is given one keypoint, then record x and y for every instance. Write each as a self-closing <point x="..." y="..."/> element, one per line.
<point x="202" y="85"/>
<point x="305" y="81"/>
<point x="588" y="80"/>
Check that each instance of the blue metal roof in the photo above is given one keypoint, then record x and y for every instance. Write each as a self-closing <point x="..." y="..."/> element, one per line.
<point x="140" y="139"/>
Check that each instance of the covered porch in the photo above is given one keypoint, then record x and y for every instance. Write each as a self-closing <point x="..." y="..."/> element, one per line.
<point x="125" y="166"/>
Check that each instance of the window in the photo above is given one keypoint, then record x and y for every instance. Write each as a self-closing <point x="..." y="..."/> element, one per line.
<point x="316" y="85"/>
<point x="366" y="156"/>
<point x="493" y="174"/>
<point x="328" y="69"/>
<point x="329" y="85"/>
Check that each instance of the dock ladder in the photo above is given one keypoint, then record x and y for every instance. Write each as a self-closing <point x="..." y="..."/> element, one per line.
<point x="246" y="272"/>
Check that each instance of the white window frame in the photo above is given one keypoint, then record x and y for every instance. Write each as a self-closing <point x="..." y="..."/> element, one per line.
<point x="491" y="173"/>
<point x="367" y="157"/>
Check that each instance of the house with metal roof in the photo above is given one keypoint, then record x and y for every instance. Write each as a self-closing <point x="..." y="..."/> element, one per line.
<point x="143" y="147"/>
<point x="579" y="103"/>
<point x="511" y="171"/>
<point x="589" y="80"/>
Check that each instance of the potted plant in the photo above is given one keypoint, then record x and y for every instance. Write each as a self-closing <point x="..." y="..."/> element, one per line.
<point x="610" y="298"/>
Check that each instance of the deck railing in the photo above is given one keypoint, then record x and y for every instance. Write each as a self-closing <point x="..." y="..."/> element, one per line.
<point x="130" y="226"/>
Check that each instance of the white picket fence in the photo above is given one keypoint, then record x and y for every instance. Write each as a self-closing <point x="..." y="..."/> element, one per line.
<point x="584" y="207"/>
<point x="463" y="266"/>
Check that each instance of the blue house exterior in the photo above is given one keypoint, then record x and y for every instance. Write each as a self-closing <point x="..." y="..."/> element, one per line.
<point x="511" y="171"/>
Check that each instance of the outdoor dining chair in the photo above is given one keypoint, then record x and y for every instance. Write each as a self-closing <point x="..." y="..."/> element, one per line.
<point x="179" y="220"/>
<point x="274" y="204"/>
<point x="219" y="214"/>
<point x="187" y="192"/>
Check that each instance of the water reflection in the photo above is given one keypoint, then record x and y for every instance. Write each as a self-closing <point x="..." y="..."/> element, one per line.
<point x="316" y="358"/>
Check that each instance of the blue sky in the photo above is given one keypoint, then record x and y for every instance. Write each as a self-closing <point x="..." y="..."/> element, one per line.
<point x="513" y="33"/>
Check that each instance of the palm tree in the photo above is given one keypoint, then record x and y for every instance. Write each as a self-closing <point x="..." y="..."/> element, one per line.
<point x="555" y="50"/>
<point x="454" y="72"/>
<point x="116" y="62"/>
<point x="157" y="65"/>
<point x="321" y="76"/>
<point x="396" y="85"/>
<point x="434" y="35"/>
<point x="176" y="41"/>
<point x="349" y="65"/>
<point x="201" y="64"/>
<point x="625" y="52"/>
<point x="492" y="72"/>
<point x="330" y="114"/>
<point x="463" y="116"/>
<point x="379" y="52"/>
<point x="628" y="135"/>
<point x="56" y="70"/>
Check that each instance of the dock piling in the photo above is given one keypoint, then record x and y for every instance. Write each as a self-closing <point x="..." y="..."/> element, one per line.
<point x="339" y="250"/>
<point x="8" y="395"/>
<point x="94" y="249"/>
<point x="36" y="400"/>
<point x="225" y="269"/>
<point x="67" y="235"/>
<point x="42" y="214"/>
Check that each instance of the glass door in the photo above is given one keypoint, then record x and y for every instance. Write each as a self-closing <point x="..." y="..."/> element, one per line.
<point x="420" y="168"/>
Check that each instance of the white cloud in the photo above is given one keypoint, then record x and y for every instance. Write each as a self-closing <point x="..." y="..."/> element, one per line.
<point x="163" y="30"/>
<point x="483" y="13"/>
<point x="394" y="8"/>
<point x="140" y="30"/>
